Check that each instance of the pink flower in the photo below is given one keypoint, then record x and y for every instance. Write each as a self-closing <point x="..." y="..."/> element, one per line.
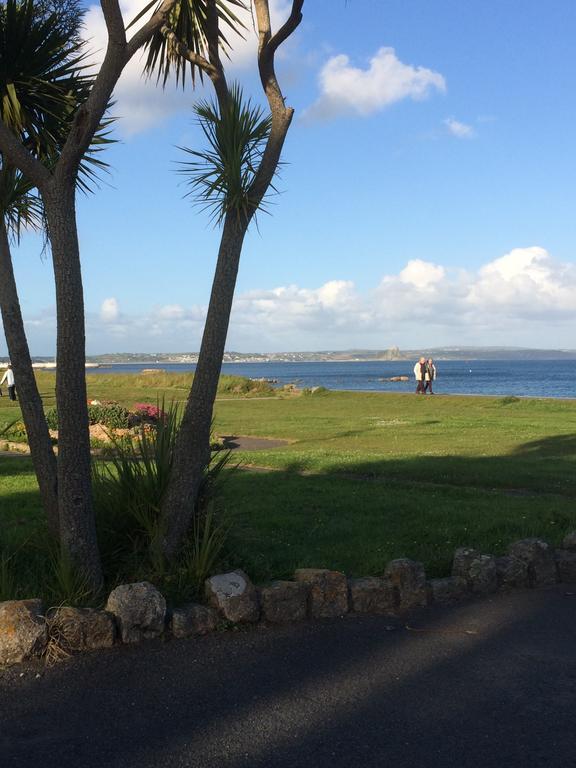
<point x="149" y="411"/>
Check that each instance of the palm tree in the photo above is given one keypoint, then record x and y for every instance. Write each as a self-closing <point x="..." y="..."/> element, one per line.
<point x="232" y="177"/>
<point x="56" y="182"/>
<point x="35" y="48"/>
<point x="20" y="208"/>
<point x="42" y="49"/>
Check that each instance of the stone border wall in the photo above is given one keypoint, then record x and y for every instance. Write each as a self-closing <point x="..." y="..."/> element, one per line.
<point x="137" y="612"/>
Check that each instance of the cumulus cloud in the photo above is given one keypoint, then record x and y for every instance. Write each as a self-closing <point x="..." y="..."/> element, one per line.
<point x="514" y="299"/>
<point x="458" y="129"/>
<point x="524" y="297"/>
<point x="346" y="89"/>
<point x="109" y="310"/>
<point x="526" y="282"/>
<point x="141" y="104"/>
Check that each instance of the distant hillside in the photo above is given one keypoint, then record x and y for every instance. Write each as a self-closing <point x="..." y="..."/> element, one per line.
<point x="394" y="353"/>
<point x="348" y="355"/>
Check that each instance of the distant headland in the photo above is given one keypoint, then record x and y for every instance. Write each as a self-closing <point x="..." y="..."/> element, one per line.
<point x="328" y="356"/>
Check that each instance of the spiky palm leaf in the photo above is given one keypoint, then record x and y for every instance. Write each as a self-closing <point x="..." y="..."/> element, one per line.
<point x="42" y="74"/>
<point x="220" y="177"/>
<point x="43" y="80"/>
<point x="20" y="206"/>
<point x="188" y="20"/>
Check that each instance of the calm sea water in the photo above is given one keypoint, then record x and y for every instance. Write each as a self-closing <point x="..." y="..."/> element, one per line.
<point x="523" y="378"/>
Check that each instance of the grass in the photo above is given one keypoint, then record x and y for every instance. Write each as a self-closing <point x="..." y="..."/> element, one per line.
<point x="365" y="477"/>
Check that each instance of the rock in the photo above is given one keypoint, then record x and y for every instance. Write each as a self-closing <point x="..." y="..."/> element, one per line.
<point x="81" y="629"/>
<point x="408" y="580"/>
<point x="284" y="601"/>
<point x="371" y="595"/>
<point x="539" y="557"/>
<point x="328" y="591"/>
<point x="511" y="573"/>
<point x="234" y="595"/>
<point x="565" y="566"/>
<point x="569" y="542"/>
<point x="474" y="571"/>
<point x="193" y="619"/>
<point x="22" y="630"/>
<point x="446" y="590"/>
<point x="140" y="611"/>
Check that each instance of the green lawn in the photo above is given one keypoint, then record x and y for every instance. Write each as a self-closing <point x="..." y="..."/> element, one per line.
<point x="366" y="476"/>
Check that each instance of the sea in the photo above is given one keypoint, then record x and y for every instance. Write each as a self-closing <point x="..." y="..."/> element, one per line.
<point x="519" y="378"/>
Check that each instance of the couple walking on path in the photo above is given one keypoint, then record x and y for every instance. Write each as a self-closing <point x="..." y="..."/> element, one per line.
<point x="425" y="373"/>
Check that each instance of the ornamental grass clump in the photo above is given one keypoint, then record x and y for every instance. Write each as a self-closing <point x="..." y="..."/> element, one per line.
<point x="128" y="492"/>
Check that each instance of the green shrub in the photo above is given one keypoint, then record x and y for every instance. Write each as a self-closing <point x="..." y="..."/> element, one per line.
<point x="109" y="414"/>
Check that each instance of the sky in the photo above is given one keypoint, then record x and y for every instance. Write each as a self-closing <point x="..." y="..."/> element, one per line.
<point x="426" y="198"/>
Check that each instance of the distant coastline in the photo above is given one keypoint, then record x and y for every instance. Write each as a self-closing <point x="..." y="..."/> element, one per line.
<point x="393" y="354"/>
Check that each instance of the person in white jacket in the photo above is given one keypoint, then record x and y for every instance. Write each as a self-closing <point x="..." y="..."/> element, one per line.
<point x="10" y="383"/>
<point x="419" y="373"/>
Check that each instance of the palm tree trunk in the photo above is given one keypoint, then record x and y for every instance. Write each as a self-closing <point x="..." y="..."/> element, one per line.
<point x="43" y="457"/>
<point x="77" y="523"/>
<point x="192" y="449"/>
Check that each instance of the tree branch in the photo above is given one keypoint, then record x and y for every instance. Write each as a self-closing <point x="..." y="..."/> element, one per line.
<point x="268" y="45"/>
<point x="118" y="54"/>
<point x="182" y="50"/>
<point x="19" y="156"/>
<point x="281" y="114"/>
<point x="114" y="22"/>
<point x="289" y="26"/>
<point x="213" y="36"/>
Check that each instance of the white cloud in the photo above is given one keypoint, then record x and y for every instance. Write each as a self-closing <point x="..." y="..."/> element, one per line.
<point x="526" y="282"/>
<point x="109" y="310"/>
<point x="345" y="89"/>
<point x="524" y="297"/>
<point x="140" y="103"/>
<point x="515" y="299"/>
<point x="422" y="274"/>
<point x="458" y="129"/>
<point x="171" y="312"/>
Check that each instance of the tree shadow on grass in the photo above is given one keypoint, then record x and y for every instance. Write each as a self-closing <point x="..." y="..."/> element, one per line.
<point x="557" y="446"/>
<point x="541" y="466"/>
<point x="17" y="465"/>
<point x="355" y="516"/>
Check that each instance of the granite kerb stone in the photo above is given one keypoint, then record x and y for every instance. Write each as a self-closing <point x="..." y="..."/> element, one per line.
<point x="138" y="611"/>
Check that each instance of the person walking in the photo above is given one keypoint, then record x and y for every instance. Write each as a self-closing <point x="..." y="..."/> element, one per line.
<point x="429" y="375"/>
<point x="10" y="383"/>
<point x="420" y="373"/>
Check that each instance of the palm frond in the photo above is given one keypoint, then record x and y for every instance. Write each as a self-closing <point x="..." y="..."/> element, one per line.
<point x="44" y="77"/>
<point x="189" y="20"/>
<point x="20" y="205"/>
<point x="220" y="177"/>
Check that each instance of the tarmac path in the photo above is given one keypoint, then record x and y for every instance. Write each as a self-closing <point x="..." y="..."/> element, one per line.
<point x="487" y="683"/>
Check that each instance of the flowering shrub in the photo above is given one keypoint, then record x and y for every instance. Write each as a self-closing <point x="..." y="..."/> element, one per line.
<point x="110" y="414"/>
<point x="149" y="412"/>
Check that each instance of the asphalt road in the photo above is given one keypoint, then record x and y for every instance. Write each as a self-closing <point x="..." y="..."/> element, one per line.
<point x="488" y="683"/>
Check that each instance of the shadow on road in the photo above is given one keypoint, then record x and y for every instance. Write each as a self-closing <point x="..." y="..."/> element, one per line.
<point x="487" y="683"/>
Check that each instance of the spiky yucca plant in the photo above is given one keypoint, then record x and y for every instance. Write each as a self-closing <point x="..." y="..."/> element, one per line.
<point x="220" y="177"/>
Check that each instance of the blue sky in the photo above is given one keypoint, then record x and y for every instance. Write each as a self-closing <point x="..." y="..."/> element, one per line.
<point x="427" y="197"/>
